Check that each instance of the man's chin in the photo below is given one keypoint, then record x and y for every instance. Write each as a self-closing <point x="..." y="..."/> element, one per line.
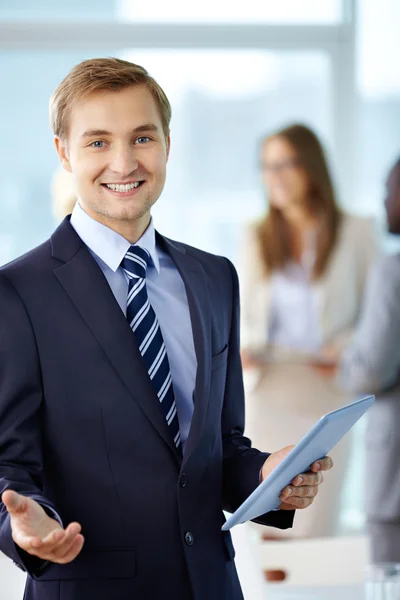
<point x="129" y="214"/>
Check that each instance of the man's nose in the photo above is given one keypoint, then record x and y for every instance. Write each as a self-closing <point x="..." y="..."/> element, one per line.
<point x="124" y="162"/>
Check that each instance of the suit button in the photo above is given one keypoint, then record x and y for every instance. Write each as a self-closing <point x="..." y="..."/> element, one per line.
<point x="183" y="480"/>
<point x="189" y="539"/>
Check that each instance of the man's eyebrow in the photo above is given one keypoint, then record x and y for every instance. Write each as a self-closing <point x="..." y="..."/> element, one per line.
<point x="95" y="133"/>
<point x="146" y="127"/>
<point x="140" y="129"/>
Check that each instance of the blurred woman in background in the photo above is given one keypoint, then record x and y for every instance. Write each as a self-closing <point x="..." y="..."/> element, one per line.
<point x="303" y="272"/>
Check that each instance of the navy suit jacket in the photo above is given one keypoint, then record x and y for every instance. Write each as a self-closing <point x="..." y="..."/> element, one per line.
<point x="81" y="430"/>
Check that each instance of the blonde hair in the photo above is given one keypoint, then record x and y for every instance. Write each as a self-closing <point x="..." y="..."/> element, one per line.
<point x="63" y="193"/>
<point x="273" y="231"/>
<point x="100" y="75"/>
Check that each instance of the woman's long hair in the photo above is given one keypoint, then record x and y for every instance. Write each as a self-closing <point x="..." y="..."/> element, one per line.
<point x="273" y="231"/>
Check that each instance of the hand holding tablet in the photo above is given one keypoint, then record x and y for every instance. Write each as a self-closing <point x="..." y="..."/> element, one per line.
<point x="315" y="445"/>
<point x="301" y="491"/>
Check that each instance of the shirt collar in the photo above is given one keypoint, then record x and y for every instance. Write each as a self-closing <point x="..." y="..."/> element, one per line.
<point x="109" y="245"/>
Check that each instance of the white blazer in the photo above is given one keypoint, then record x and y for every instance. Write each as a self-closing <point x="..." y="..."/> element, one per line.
<point x="339" y="291"/>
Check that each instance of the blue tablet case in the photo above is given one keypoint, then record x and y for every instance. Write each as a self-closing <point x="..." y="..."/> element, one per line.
<point x="316" y="444"/>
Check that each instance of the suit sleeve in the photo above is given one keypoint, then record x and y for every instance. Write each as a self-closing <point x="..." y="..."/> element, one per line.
<point x="241" y="462"/>
<point x="20" y="417"/>
<point x="372" y="363"/>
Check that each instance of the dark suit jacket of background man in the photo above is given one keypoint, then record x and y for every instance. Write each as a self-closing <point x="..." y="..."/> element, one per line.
<point x="81" y="430"/>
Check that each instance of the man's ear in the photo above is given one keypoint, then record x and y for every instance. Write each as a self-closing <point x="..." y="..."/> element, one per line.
<point x="62" y="151"/>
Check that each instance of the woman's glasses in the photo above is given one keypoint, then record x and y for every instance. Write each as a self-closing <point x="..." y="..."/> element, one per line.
<point x="280" y="167"/>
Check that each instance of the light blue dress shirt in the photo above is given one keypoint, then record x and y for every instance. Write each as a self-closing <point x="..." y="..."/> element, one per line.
<point x="167" y="295"/>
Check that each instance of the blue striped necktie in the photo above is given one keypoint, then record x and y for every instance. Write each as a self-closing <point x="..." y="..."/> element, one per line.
<point x="145" y="326"/>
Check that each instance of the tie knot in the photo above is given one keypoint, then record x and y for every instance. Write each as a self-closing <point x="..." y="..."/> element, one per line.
<point x="135" y="262"/>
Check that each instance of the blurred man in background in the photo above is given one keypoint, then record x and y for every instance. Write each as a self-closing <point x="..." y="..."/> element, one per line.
<point x="372" y="365"/>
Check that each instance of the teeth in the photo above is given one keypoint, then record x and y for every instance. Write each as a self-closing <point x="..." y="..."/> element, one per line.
<point x="116" y="187"/>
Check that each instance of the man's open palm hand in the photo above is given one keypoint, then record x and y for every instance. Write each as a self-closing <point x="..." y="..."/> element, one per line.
<point x="38" y="534"/>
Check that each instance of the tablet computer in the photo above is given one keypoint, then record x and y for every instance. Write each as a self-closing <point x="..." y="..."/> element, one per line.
<point x="316" y="444"/>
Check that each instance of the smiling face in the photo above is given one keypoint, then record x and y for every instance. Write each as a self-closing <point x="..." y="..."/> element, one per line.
<point x="117" y="152"/>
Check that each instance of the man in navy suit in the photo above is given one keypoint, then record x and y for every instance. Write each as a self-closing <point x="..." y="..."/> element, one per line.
<point x="121" y="395"/>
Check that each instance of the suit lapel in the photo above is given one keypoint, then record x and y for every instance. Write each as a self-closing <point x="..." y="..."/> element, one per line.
<point x="88" y="289"/>
<point x="194" y="279"/>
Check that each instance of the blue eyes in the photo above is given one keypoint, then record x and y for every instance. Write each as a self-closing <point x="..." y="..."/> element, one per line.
<point x="100" y="144"/>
